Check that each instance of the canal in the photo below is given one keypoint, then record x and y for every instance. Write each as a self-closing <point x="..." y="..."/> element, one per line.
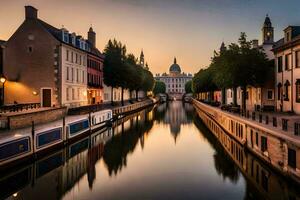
<point x="164" y="152"/>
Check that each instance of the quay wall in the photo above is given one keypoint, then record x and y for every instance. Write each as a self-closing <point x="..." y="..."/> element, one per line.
<point x="278" y="149"/>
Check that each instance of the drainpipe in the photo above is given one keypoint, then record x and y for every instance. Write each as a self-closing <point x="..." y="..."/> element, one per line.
<point x="292" y="83"/>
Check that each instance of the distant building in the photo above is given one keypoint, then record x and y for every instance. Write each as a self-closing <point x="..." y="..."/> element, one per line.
<point x="287" y="54"/>
<point x="47" y="65"/>
<point x="175" y="81"/>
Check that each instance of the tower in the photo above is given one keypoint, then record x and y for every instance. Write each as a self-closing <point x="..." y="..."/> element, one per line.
<point x="142" y="59"/>
<point x="92" y="37"/>
<point x="268" y="31"/>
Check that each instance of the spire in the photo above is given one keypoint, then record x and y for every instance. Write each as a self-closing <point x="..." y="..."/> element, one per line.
<point x="223" y="47"/>
<point x="92" y="36"/>
<point x="175" y="60"/>
<point x="142" y="58"/>
<point x="267" y="22"/>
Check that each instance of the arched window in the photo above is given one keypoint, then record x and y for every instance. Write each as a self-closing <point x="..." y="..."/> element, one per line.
<point x="298" y="90"/>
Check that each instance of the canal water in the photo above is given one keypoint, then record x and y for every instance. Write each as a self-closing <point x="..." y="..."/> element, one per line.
<point x="164" y="152"/>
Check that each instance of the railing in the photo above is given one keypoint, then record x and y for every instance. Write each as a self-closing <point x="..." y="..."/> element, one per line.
<point x="19" y="107"/>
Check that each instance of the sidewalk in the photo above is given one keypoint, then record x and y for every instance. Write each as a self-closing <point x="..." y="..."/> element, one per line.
<point x="290" y="118"/>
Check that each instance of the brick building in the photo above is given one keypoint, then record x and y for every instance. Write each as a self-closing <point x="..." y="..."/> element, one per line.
<point x="51" y="64"/>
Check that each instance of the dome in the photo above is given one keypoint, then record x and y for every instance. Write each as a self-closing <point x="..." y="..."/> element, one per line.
<point x="175" y="68"/>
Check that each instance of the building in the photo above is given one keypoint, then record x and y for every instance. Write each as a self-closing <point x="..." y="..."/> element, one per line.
<point x="95" y="71"/>
<point x="51" y="68"/>
<point x="287" y="54"/>
<point x="175" y="81"/>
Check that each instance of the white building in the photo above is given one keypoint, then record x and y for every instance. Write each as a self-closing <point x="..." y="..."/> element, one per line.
<point x="175" y="81"/>
<point x="74" y="76"/>
<point x="287" y="53"/>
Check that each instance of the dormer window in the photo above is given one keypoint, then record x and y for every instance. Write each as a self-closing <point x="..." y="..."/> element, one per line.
<point x="288" y="36"/>
<point x="65" y="35"/>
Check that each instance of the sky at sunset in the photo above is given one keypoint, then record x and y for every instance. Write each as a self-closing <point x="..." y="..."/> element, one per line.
<point x="187" y="29"/>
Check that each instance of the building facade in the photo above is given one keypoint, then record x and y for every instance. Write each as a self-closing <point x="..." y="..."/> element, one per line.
<point x="175" y="81"/>
<point x="287" y="54"/>
<point x="95" y="62"/>
<point x="52" y="64"/>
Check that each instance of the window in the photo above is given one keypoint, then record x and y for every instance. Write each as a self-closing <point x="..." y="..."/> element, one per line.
<point x="256" y="139"/>
<point x="72" y="57"/>
<point x="279" y="91"/>
<point x="270" y="94"/>
<point x="30" y="49"/>
<point x="78" y="92"/>
<point x="72" y="74"/>
<point x="68" y="74"/>
<point x="83" y="77"/>
<point x="73" y="94"/>
<point x="292" y="158"/>
<point x="264" y="144"/>
<point x="288" y="62"/>
<point x="287" y="87"/>
<point x="68" y="94"/>
<point x="67" y="55"/>
<point x="297" y="58"/>
<point x="298" y="91"/>
<point x="279" y="64"/>
<point x="77" y="75"/>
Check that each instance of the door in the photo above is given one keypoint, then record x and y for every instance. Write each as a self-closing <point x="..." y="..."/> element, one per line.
<point x="46" y="97"/>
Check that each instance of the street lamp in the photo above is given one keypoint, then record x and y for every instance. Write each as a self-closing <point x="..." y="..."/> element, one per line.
<point x="2" y="80"/>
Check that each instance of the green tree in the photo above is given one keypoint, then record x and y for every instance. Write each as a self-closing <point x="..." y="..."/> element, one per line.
<point x="112" y="63"/>
<point x="159" y="88"/>
<point x="188" y="87"/>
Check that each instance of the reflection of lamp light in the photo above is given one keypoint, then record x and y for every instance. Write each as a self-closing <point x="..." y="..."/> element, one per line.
<point x="15" y="194"/>
<point x="84" y="93"/>
<point x="34" y="93"/>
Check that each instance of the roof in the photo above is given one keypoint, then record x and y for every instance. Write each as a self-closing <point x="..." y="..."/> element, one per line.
<point x="175" y="67"/>
<point x="57" y="34"/>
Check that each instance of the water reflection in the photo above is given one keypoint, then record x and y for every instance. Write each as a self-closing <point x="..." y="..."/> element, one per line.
<point x="137" y="159"/>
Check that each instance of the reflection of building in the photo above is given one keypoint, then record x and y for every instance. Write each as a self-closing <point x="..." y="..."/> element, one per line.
<point x="176" y="115"/>
<point x="175" y="80"/>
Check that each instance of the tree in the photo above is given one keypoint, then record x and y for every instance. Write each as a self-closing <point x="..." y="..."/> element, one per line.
<point x="112" y="62"/>
<point x="159" y="88"/>
<point x="148" y="81"/>
<point x="188" y="87"/>
<point x="240" y="65"/>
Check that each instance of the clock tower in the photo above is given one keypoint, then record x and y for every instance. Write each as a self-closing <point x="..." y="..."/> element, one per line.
<point x="268" y="31"/>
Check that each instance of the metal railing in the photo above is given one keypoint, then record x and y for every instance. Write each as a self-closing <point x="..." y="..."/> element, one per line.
<point x="19" y="107"/>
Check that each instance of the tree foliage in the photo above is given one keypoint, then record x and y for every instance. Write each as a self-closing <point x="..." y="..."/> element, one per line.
<point x="159" y="87"/>
<point x="238" y="65"/>
<point x="121" y="70"/>
<point x="188" y="87"/>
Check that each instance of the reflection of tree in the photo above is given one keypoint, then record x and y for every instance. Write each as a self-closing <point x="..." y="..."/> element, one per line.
<point x="117" y="149"/>
<point x="224" y="165"/>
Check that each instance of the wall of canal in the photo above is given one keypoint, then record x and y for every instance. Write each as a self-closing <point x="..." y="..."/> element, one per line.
<point x="278" y="150"/>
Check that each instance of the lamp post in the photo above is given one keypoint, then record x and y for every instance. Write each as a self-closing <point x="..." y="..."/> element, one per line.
<point x="2" y="80"/>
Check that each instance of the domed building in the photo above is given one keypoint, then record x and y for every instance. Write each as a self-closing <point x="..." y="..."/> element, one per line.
<point x="175" y="80"/>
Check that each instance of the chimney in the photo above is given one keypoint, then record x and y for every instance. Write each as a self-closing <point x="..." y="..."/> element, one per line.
<point x="254" y="44"/>
<point x="31" y="12"/>
<point x="92" y="37"/>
